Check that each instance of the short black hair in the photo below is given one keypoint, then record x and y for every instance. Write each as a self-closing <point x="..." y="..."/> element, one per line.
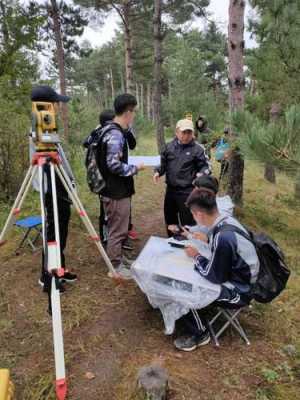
<point x="124" y="102"/>
<point x="208" y="182"/>
<point x="47" y="94"/>
<point x="106" y="116"/>
<point x="203" y="199"/>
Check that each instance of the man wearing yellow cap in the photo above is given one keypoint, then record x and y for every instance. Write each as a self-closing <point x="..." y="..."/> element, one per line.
<point x="182" y="160"/>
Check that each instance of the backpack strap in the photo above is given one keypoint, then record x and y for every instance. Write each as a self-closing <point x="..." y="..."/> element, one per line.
<point x="232" y="228"/>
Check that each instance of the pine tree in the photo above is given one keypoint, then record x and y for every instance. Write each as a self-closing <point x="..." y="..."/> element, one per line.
<point x="236" y="91"/>
<point x="65" y="23"/>
<point x="19" y="34"/>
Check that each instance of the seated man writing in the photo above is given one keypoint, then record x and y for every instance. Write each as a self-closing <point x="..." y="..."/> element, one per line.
<point x="233" y="264"/>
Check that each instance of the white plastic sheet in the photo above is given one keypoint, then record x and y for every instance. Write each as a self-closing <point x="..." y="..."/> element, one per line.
<point x="167" y="277"/>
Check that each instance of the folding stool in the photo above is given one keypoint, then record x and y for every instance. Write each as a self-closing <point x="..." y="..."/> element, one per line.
<point x="29" y="224"/>
<point x="231" y="319"/>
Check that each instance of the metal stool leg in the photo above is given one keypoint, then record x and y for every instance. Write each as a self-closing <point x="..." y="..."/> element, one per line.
<point x="24" y="239"/>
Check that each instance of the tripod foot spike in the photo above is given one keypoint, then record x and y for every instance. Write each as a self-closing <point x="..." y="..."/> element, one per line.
<point x="61" y="389"/>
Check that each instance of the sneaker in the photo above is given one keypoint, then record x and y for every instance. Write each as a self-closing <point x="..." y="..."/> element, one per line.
<point x="132" y="234"/>
<point x="61" y="287"/>
<point x="127" y="245"/>
<point x="122" y="270"/>
<point x="190" y="343"/>
<point x="68" y="277"/>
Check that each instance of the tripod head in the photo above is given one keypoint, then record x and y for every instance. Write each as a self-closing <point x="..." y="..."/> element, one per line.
<point x="44" y="130"/>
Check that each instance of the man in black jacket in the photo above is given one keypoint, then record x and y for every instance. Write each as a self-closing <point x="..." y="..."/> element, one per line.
<point x="118" y="176"/>
<point x="182" y="160"/>
<point x="106" y="117"/>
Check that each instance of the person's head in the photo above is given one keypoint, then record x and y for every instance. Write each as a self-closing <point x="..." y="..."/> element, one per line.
<point x="201" y="123"/>
<point x="125" y="105"/>
<point x="203" y="206"/>
<point x="47" y="94"/>
<point x="208" y="182"/>
<point x="185" y="131"/>
<point x="106" y="116"/>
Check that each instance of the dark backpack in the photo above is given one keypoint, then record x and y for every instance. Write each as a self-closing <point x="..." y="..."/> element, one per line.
<point x="273" y="271"/>
<point x="92" y="143"/>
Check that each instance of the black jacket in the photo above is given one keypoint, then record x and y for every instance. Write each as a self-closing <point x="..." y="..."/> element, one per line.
<point x="181" y="163"/>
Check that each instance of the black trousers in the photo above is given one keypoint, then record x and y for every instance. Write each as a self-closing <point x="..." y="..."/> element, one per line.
<point x="64" y="213"/>
<point x="195" y="322"/>
<point x="174" y="206"/>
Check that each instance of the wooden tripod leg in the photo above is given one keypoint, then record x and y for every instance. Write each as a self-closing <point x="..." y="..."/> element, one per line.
<point x="15" y="210"/>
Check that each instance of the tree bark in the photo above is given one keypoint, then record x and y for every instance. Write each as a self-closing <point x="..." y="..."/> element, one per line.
<point x="122" y="82"/>
<point x="128" y="46"/>
<point x="270" y="174"/>
<point x="236" y="46"/>
<point x="158" y="61"/>
<point x="236" y="82"/>
<point x="297" y="186"/>
<point x="54" y="14"/>
<point x="149" y="101"/>
<point x="142" y="100"/>
<point x="137" y="94"/>
<point x="112" y="85"/>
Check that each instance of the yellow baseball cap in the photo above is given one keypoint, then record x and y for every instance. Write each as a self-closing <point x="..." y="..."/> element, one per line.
<point x="185" y="125"/>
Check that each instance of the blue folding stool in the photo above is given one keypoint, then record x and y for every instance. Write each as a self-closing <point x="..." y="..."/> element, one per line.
<point x="30" y="224"/>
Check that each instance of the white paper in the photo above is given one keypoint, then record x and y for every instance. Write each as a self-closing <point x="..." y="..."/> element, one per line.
<point x="148" y="161"/>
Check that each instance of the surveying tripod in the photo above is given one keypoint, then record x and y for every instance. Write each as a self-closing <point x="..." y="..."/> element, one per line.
<point x="52" y="249"/>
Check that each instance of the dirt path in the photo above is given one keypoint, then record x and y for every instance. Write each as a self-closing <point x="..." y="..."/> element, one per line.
<point x="110" y="332"/>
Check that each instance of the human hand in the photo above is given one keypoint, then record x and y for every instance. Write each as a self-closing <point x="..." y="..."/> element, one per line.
<point x="173" y="228"/>
<point x="141" y="166"/>
<point x="156" y="177"/>
<point x="200" y="236"/>
<point x="191" y="251"/>
<point x="184" y="231"/>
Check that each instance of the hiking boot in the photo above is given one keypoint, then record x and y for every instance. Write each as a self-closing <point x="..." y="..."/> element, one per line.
<point x="190" y="343"/>
<point x="127" y="245"/>
<point x="132" y="234"/>
<point x="68" y="277"/>
<point x="61" y="287"/>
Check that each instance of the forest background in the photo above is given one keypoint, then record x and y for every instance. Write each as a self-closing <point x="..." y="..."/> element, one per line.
<point x="175" y="58"/>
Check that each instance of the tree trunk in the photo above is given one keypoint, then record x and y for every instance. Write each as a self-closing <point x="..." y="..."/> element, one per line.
<point x="236" y="46"/>
<point x="158" y="61"/>
<point x="137" y="94"/>
<point x="142" y="100"/>
<point x="149" y="101"/>
<point x="54" y="14"/>
<point x="297" y="186"/>
<point x="122" y="82"/>
<point x="112" y="85"/>
<point x="128" y="47"/>
<point x="236" y="91"/>
<point x="270" y="174"/>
